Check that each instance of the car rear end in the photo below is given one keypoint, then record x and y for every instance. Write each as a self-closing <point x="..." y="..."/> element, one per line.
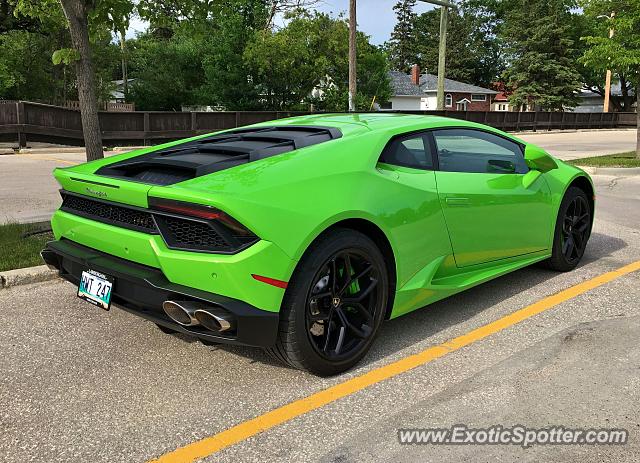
<point x="173" y="256"/>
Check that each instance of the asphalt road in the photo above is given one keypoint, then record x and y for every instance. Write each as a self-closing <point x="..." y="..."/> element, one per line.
<point x="82" y="385"/>
<point x="28" y="192"/>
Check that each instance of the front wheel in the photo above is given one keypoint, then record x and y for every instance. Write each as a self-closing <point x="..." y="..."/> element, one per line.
<point x="573" y="228"/>
<point x="334" y="304"/>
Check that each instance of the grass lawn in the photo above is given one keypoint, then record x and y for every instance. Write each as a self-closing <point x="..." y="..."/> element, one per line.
<point x="19" y="247"/>
<point x="610" y="160"/>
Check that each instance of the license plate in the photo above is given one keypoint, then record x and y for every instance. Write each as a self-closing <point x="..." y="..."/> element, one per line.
<point x="95" y="287"/>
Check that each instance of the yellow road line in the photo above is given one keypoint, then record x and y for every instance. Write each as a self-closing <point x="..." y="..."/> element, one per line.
<point x="240" y="432"/>
<point x="47" y="158"/>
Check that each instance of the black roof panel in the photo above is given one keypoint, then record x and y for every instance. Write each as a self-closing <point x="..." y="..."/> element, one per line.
<point x="217" y="152"/>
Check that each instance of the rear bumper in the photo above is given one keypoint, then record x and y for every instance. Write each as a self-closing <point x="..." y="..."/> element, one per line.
<point x="141" y="290"/>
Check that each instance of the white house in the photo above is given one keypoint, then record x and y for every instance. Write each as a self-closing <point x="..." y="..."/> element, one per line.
<point x="415" y="91"/>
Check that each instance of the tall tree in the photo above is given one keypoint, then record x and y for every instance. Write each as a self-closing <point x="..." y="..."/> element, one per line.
<point x="620" y="53"/>
<point x="542" y="70"/>
<point x="104" y="14"/>
<point x="472" y="55"/>
<point x="401" y="46"/>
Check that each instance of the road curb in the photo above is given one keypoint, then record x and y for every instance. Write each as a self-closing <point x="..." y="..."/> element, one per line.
<point x="617" y="171"/>
<point x="25" y="276"/>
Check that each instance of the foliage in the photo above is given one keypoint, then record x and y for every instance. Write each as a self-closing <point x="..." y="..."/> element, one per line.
<point x="167" y="73"/>
<point x="226" y="77"/>
<point x="36" y="66"/>
<point x="621" y="53"/>
<point x="310" y="57"/>
<point x="472" y="55"/>
<point x="473" y="52"/>
<point x="402" y="45"/>
<point x="542" y="70"/>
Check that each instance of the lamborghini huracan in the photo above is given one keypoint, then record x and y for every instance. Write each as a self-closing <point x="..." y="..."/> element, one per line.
<point x="302" y="235"/>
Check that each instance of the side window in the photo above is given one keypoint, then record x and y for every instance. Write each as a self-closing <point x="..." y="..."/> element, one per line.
<point x="467" y="150"/>
<point x="411" y="151"/>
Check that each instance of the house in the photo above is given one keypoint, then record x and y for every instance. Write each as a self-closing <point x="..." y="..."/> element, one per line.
<point x="501" y="103"/>
<point x="592" y="102"/>
<point x="117" y="94"/>
<point x="415" y="91"/>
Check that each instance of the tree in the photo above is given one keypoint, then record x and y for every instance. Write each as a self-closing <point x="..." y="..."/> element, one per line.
<point x="306" y="62"/>
<point x="621" y="53"/>
<point x="401" y="47"/>
<point x="472" y="55"/>
<point x="226" y="77"/>
<point x="168" y="72"/>
<point x="542" y="70"/>
<point x="104" y="14"/>
<point x="285" y="65"/>
<point x="282" y="7"/>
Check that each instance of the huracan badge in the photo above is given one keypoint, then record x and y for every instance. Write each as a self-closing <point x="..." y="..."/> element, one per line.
<point x="100" y="194"/>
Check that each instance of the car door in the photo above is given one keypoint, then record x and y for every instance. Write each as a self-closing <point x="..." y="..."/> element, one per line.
<point x="408" y="202"/>
<point x="490" y="215"/>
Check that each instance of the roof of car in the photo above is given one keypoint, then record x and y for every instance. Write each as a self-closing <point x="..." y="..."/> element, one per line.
<point x="352" y="124"/>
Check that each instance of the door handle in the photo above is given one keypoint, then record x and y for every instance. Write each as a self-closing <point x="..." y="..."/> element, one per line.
<point x="457" y="201"/>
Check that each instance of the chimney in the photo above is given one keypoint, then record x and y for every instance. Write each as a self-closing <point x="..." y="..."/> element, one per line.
<point x="415" y="74"/>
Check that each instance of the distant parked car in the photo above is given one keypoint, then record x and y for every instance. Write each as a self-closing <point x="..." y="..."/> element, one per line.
<point x="302" y="235"/>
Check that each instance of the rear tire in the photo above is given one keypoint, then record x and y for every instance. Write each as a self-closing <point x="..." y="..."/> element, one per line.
<point x="572" y="231"/>
<point x="334" y="304"/>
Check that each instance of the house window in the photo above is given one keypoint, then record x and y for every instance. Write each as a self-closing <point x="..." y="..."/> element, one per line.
<point x="478" y="97"/>
<point x="448" y="101"/>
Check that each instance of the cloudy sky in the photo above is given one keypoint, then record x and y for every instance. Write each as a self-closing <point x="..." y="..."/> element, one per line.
<point x="375" y="17"/>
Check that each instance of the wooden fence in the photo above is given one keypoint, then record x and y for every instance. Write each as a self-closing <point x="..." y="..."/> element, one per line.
<point x="21" y="121"/>
<point x="104" y="106"/>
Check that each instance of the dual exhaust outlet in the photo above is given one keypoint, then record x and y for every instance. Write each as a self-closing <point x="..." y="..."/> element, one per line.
<point x="190" y="313"/>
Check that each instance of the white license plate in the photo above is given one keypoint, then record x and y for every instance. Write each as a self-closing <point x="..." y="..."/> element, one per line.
<point x="95" y="287"/>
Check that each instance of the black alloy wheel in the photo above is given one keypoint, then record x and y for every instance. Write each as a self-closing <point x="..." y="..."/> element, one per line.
<point x="334" y="304"/>
<point x="341" y="304"/>
<point x="575" y="229"/>
<point x="572" y="231"/>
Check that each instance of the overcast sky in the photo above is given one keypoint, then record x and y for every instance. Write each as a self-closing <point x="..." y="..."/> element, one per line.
<point x="375" y="17"/>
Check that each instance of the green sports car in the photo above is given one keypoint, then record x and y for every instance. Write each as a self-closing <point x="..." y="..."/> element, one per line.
<point x="302" y="235"/>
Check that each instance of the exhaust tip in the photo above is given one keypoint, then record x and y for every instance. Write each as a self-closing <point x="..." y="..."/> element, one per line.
<point x="178" y="313"/>
<point x="213" y="320"/>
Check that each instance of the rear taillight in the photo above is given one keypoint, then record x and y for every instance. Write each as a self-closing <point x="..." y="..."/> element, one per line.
<point x="196" y="227"/>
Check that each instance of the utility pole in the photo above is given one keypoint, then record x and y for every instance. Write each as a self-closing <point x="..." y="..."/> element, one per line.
<point x="352" y="55"/>
<point x="442" y="49"/>
<point x="125" y="77"/>
<point x="607" y="86"/>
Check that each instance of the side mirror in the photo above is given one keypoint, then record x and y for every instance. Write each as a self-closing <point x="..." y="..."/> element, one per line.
<point x="538" y="159"/>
